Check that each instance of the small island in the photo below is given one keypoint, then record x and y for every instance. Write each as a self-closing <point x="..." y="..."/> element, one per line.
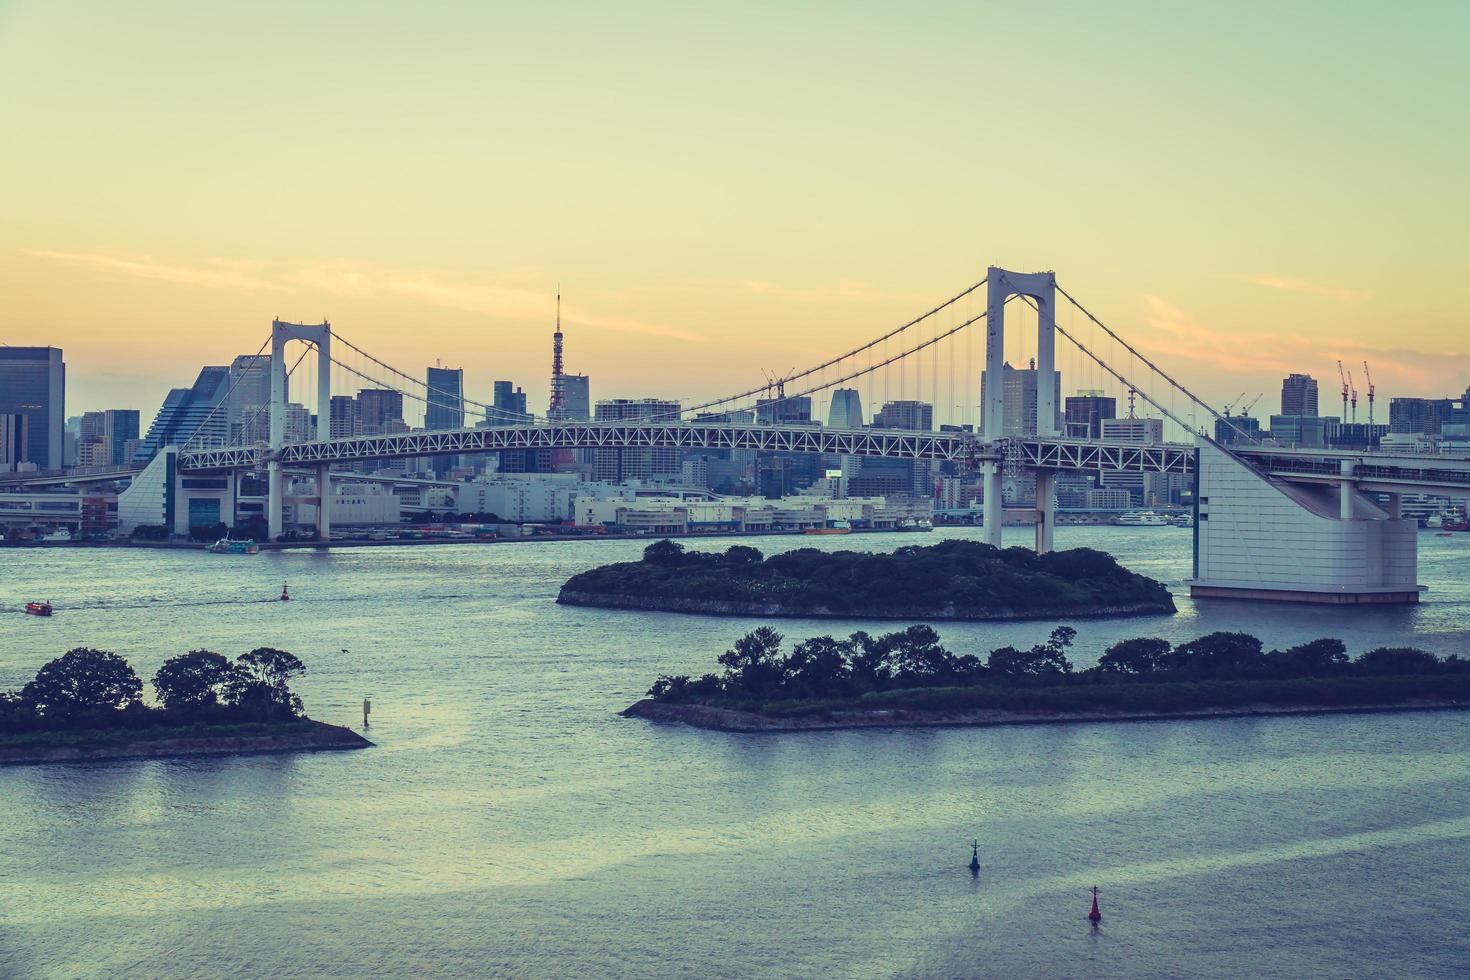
<point x="950" y="580"/>
<point x="908" y="678"/>
<point x="87" y="705"/>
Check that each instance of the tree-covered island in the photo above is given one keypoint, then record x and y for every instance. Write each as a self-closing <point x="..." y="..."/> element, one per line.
<point x="950" y="580"/>
<point x="87" y="704"/>
<point x="909" y="678"/>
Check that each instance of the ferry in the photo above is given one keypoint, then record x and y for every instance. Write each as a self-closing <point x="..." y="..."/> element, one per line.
<point x="38" y="608"/>
<point x="225" y="546"/>
<point x="58" y="536"/>
<point x="909" y="524"/>
<point x="836" y="527"/>
<point x="1143" y="518"/>
<point x="1182" y="520"/>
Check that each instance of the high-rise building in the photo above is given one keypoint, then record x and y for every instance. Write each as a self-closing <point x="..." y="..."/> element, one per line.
<point x="445" y="408"/>
<point x="33" y="384"/>
<point x="576" y="397"/>
<point x="189" y="412"/>
<point x="1018" y="390"/>
<point x="616" y="465"/>
<point x="905" y="415"/>
<point x="1084" y="413"/>
<point x="846" y="409"/>
<point x="1299" y="395"/>
<point x="343" y="422"/>
<point x="120" y="427"/>
<point x="509" y="403"/>
<point x="250" y="392"/>
<point x="1420" y="416"/>
<point x="14" y="434"/>
<point x="1145" y="487"/>
<point x="377" y="408"/>
<point x="796" y="410"/>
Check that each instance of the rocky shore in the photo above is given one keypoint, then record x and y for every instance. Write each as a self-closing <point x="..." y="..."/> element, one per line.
<point x="728" y="607"/>
<point x="731" y="720"/>
<point x="157" y="743"/>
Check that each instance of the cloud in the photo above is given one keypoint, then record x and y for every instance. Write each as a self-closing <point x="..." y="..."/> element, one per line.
<point x="1177" y="336"/>
<point x="1329" y="290"/>
<point x="218" y="274"/>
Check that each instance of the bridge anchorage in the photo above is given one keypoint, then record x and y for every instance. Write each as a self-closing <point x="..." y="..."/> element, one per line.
<point x="1271" y="522"/>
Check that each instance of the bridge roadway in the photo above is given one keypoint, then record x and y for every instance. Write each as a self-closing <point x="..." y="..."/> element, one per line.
<point x="1388" y="472"/>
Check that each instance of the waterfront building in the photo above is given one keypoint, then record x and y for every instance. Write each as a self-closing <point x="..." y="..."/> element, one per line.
<point x="444" y="409"/>
<point x="198" y="409"/>
<point x="1299" y="395"/>
<point x="1145" y="488"/>
<point x="14" y="435"/>
<point x="1302" y="431"/>
<point x="33" y="384"/>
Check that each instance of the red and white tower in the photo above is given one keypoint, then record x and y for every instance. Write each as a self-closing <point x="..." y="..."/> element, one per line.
<point x="558" y="406"/>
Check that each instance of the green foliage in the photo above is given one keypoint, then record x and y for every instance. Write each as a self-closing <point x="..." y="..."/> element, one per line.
<point x="83" y="680"/>
<point x="1049" y="658"/>
<point x="1397" y="660"/>
<point x="208" y="532"/>
<point x="1219" y="653"/>
<point x="952" y="579"/>
<point x="1138" y="656"/>
<point x="754" y="665"/>
<point x="260" y="683"/>
<point x="149" y="532"/>
<point x="194" y="680"/>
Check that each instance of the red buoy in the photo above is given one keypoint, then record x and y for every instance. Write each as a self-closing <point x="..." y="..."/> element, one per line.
<point x="285" y="593"/>
<point x="1094" y="915"/>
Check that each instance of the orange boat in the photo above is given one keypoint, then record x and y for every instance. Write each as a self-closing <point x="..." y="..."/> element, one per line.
<point x="38" y="608"/>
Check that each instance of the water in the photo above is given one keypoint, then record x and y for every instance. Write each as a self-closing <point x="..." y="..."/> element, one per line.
<point x="509" y="823"/>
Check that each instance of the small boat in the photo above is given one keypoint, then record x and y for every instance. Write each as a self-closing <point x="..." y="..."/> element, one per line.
<point x="1182" y="520"/>
<point x="909" y="524"/>
<point x="38" y="608"/>
<point x="1143" y="518"/>
<point x="1455" y="526"/>
<point x="59" y="536"/>
<point x="226" y="546"/>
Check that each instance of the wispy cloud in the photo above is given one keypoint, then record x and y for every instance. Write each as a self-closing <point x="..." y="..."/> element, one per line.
<point x="1177" y="336"/>
<point x="216" y="274"/>
<point x="1329" y="290"/>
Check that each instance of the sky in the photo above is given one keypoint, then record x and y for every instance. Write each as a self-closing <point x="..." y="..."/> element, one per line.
<point x="1241" y="190"/>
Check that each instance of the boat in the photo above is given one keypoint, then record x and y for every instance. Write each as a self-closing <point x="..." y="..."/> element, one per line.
<point x="58" y="536"/>
<point x="909" y="524"/>
<point x="226" y="546"/>
<point x="1143" y="518"/>
<point x="38" y="608"/>
<point x="1182" y="520"/>
<point x="1455" y="526"/>
<point x="827" y="530"/>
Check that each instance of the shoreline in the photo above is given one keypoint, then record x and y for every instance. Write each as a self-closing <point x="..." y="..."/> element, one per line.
<point x="724" y="607"/>
<point x="316" y="737"/>
<point x="712" y="718"/>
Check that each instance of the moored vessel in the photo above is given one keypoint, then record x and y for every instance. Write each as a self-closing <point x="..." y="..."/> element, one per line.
<point x="38" y="608"/>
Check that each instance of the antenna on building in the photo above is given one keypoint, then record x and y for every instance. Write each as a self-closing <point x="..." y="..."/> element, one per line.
<point x="1132" y="394"/>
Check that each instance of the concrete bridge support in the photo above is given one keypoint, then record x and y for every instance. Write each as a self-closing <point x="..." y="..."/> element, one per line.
<point x="1046" y="510"/>
<point x="994" y="505"/>
<point x="319" y="335"/>
<point x="324" y="503"/>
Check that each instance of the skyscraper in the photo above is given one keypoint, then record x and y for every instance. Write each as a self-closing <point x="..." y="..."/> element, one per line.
<point x="120" y="426"/>
<point x="250" y="392"/>
<point x="846" y="409"/>
<point x="187" y="412"/>
<point x="1085" y="412"/>
<point x="905" y="415"/>
<point x="1018" y="390"/>
<point x="33" y="384"/>
<point x="377" y="408"/>
<point x="445" y="398"/>
<point x="576" y="398"/>
<point x="14" y="433"/>
<point x="344" y="421"/>
<point x="616" y="465"/>
<point x="1299" y="395"/>
<point x="796" y="410"/>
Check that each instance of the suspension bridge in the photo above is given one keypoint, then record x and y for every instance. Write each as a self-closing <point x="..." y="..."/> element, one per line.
<point x="1260" y="508"/>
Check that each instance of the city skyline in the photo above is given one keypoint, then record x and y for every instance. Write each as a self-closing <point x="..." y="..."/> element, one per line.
<point x="1305" y="242"/>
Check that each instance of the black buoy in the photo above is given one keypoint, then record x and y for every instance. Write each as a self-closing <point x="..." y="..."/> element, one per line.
<point x="974" y="857"/>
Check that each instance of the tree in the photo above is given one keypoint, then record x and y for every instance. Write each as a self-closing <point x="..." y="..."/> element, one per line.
<point x="194" y="680"/>
<point x="818" y="667"/>
<point x="1397" y="660"/>
<point x="915" y="655"/>
<point x="754" y="667"/>
<point x="1049" y="658"/>
<point x="1137" y="656"/>
<point x="664" y="552"/>
<point x="741" y="554"/>
<point x="1311" y="659"/>
<point x="1232" y="654"/>
<point x="81" y="680"/>
<point x="260" y="684"/>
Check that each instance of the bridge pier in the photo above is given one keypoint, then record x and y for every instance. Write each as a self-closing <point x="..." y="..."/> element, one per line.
<point x="994" y="506"/>
<point x="273" y="503"/>
<point x="324" y="502"/>
<point x="1046" y="510"/>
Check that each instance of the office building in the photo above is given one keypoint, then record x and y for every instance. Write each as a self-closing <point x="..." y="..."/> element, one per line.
<point x="120" y="427"/>
<point x="796" y="410"/>
<point x="1237" y="428"/>
<point x="1299" y="395"/>
<point x="1083" y="414"/>
<point x="33" y="384"/>
<point x="1145" y="488"/>
<point x="377" y="411"/>
<point x="343" y="422"/>
<point x="509" y="403"/>
<point x="250" y="392"/>
<point x="445" y="399"/>
<point x="190" y="412"/>
<point x="1018" y="391"/>
<point x="14" y="435"/>
<point x="1302" y="431"/>
<point x="846" y="409"/>
<point x="616" y="465"/>
<point x="905" y="415"/>
<point x="576" y="397"/>
<point x="1419" y="416"/>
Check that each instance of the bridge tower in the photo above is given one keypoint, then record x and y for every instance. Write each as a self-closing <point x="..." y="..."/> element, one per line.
<point x="1041" y="287"/>
<point x="319" y="335"/>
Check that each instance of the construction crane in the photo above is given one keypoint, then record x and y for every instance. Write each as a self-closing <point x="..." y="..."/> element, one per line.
<point x="1369" y="378"/>
<point x="1231" y="404"/>
<point x="1252" y="404"/>
<point x="1354" y="389"/>
<point x="1342" y="376"/>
